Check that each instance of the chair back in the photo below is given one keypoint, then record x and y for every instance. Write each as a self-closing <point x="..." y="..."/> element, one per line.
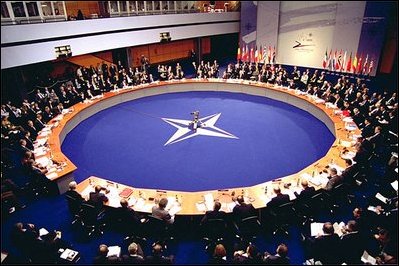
<point x="73" y="204"/>
<point x="88" y="213"/>
<point x="156" y="226"/>
<point x="249" y="226"/>
<point x="215" y="228"/>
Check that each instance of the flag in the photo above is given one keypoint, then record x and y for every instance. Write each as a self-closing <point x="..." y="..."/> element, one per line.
<point x="371" y="65"/>
<point x="334" y="65"/>
<point x="329" y="60"/>
<point x="238" y="54"/>
<point x="364" y="71"/>
<point x="359" y="65"/>
<point x="349" y="65"/>
<point x="343" y="63"/>
<point x="354" y="64"/>
<point x="338" y="62"/>
<point x="256" y="55"/>
<point x="274" y="55"/>
<point x="246" y="53"/>
<point x="260" y="54"/>
<point x="269" y="55"/>
<point x="325" y="60"/>
<point x="251" y="58"/>
<point x="264" y="55"/>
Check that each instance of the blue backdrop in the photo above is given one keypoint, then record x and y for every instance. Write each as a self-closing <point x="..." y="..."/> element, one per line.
<point x="125" y="143"/>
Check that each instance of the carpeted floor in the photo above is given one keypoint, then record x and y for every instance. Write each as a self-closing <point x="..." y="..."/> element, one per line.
<point x="125" y="143"/>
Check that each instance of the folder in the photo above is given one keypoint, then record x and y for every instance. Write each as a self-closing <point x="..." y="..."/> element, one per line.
<point x="126" y="192"/>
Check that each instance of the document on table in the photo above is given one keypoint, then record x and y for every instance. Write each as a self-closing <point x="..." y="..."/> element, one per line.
<point x="201" y="206"/>
<point x="52" y="175"/>
<point x="39" y="152"/>
<point x="209" y="201"/>
<point x="175" y="209"/>
<point x="346" y="144"/>
<point x="44" y="161"/>
<point x="339" y="168"/>
<point x="318" y="180"/>
<point x="381" y="198"/>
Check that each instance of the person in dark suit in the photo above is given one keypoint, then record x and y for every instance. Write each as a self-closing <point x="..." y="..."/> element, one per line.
<point x="352" y="244"/>
<point x="367" y="130"/>
<point x="160" y="212"/>
<point x="73" y="193"/>
<point x="279" y="199"/>
<point x="128" y="218"/>
<point x="280" y="258"/>
<point x="348" y="174"/>
<point x="243" y="210"/>
<point x="32" y="129"/>
<point x="135" y="256"/>
<point x="216" y="213"/>
<point x="307" y="191"/>
<point x="157" y="256"/>
<point x="326" y="247"/>
<point x="102" y="256"/>
<point x="334" y="180"/>
<point x="97" y="198"/>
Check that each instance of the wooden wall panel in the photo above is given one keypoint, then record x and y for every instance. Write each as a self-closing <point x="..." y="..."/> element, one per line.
<point x="87" y="7"/>
<point x="107" y="56"/>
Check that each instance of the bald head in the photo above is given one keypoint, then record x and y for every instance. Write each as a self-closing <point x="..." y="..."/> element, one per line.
<point x="72" y="185"/>
<point x="304" y="183"/>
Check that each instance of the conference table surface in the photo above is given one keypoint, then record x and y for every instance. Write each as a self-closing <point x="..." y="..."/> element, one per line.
<point x="195" y="203"/>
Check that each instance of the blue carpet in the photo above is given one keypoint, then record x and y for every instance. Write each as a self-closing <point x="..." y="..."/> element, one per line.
<point x="125" y="143"/>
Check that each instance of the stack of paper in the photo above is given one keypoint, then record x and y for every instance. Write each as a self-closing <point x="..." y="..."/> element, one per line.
<point x="367" y="259"/>
<point x="318" y="180"/>
<point x="43" y="161"/>
<point x="394" y="184"/>
<point x="338" y="228"/>
<point x="201" y="206"/>
<point x="114" y="251"/>
<point x="209" y="201"/>
<point x="316" y="229"/>
<point x="69" y="254"/>
<point x="43" y="232"/>
<point x="381" y="198"/>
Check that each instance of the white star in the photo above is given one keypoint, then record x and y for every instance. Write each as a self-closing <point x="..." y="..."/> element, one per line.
<point x="207" y="128"/>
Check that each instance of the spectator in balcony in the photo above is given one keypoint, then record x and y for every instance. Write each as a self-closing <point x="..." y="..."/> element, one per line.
<point x="80" y="15"/>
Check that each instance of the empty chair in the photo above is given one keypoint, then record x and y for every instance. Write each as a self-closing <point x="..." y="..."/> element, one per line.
<point x="74" y="206"/>
<point x="248" y="228"/>
<point x="91" y="218"/>
<point x="158" y="230"/>
<point x="282" y="216"/>
<point x="214" y="232"/>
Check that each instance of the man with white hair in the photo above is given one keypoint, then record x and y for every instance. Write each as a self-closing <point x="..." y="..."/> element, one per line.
<point x="73" y="193"/>
<point x="135" y="256"/>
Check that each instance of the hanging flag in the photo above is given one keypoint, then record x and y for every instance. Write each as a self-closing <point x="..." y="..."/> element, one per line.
<point x="359" y="65"/>
<point x="329" y="60"/>
<point x="338" y="62"/>
<point x="354" y="65"/>
<point x="260" y="54"/>
<point x="238" y="54"/>
<point x="343" y="63"/>
<point x="269" y="55"/>
<point x="364" y="70"/>
<point x="371" y="65"/>
<point x="325" y="59"/>
<point x="251" y="58"/>
<point x="264" y="55"/>
<point x="349" y="65"/>
<point x="274" y="55"/>
<point x="246" y="53"/>
<point x="256" y="55"/>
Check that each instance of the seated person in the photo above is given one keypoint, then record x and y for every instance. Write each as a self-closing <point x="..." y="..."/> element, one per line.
<point x="279" y="258"/>
<point x="348" y="174"/>
<point x="97" y="198"/>
<point x="160" y="212"/>
<point x="243" y="210"/>
<point x="352" y="244"/>
<point x="157" y="256"/>
<point x="326" y="247"/>
<point x="279" y="199"/>
<point x="215" y="214"/>
<point x="135" y="256"/>
<point x="219" y="255"/>
<point x="73" y="193"/>
<point x="334" y="179"/>
<point x="307" y="191"/>
<point x="250" y="256"/>
<point x="128" y="218"/>
<point x="102" y="256"/>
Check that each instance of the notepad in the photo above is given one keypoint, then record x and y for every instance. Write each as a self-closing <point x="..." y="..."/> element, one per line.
<point x="316" y="229"/>
<point x="126" y="192"/>
<point x="381" y="198"/>
<point x="114" y="251"/>
<point x="43" y="232"/>
<point x="394" y="184"/>
<point x="338" y="228"/>
<point x="69" y="254"/>
<point x="366" y="258"/>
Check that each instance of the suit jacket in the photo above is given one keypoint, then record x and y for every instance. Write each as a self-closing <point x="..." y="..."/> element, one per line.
<point x="367" y="131"/>
<point x="347" y="174"/>
<point x="333" y="182"/>
<point x="158" y="260"/>
<point x="161" y="214"/>
<point x="74" y="194"/>
<point x="97" y="199"/>
<point x="352" y="247"/>
<point x="276" y="259"/>
<point x="128" y="259"/>
<point x="327" y="249"/>
<point x="278" y="200"/>
<point x="209" y="215"/>
<point x="306" y="193"/>
<point x="243" y="211"/>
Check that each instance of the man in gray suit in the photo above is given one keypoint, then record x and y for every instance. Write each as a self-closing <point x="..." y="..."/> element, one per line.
<point x="160" y="212"/>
